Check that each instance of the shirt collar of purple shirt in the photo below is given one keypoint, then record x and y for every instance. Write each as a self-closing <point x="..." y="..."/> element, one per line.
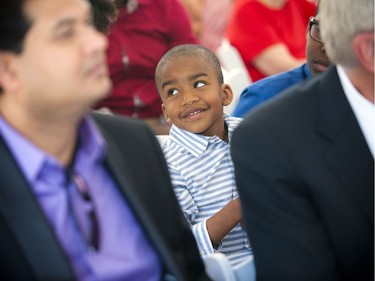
<point x="31" y="158"/>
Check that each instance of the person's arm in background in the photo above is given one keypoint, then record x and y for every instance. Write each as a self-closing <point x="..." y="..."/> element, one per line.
<point x="194" y="9"/>
<point x="257" y="31"/>
<point x="275" y="59"/>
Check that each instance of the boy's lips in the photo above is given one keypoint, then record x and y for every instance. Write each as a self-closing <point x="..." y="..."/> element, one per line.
<point x="193" y="112"/>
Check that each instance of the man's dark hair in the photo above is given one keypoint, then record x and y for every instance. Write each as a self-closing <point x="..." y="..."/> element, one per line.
<point x="121" y="3"/>
<point x="104" y="12"/>
<point x="13" y="26"/>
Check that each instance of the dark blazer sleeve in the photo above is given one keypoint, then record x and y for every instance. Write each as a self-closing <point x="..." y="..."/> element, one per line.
<point x="137" y="163"/>
<point x="305" y="179"/>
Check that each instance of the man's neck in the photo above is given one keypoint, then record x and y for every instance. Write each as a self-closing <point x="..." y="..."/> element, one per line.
<point x="55" y="138"/>
<point x="363" y="81"/>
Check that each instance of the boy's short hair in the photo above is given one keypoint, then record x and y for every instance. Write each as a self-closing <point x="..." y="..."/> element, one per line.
<point x="191" y="50"/>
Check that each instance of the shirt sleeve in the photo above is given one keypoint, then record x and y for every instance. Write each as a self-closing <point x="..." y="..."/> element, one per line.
<point x="309" y="8"/>
<point x="251" y="97"/>
<point x="252" y="31"/>
<point x="190" y="210"/>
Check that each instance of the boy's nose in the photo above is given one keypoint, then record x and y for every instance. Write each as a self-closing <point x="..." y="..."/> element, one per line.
<point x="189" y="98"/>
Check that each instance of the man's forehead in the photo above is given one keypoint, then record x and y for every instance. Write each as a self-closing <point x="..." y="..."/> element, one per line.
<point x="53" y="9"/>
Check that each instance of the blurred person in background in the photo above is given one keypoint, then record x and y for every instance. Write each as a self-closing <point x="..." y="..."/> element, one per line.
<point x="270" y="34"/>
<point x="266" y="88"/>
<point x="215" y="19"/>
<point x="194" y="9"/>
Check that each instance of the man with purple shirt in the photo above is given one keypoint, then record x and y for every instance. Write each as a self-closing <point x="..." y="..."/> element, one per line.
<point x="82" y="196"/>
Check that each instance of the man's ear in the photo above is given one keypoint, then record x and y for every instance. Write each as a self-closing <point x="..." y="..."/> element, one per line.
<point x="166" y="116"/>
<point x="227" y="94"/>
<point x="363" y="45"/>
<point x="8" y="77"/>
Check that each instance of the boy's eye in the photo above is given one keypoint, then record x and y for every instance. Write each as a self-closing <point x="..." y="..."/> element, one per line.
<point x="172" y="92"/>
<point x="199" y="84"/>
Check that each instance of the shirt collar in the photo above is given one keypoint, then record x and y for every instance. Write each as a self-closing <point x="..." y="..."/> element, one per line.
<point x="363" y="109"/>
<point x="197" y="144"/>
<point x="306" y="71"/>
<point x="92" y="145"/>
<point x="32" y="159"/>
<point x="28" y="156"/>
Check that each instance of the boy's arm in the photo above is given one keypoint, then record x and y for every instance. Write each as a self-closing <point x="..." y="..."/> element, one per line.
<point x="220" y="224"/>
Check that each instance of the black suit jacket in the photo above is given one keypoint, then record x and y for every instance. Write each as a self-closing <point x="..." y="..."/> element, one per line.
<point x="305" y="176"/>
<point x="28" y="247"/>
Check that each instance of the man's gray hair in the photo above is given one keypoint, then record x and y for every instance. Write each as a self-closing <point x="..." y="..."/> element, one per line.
<point x="340" y="21"/>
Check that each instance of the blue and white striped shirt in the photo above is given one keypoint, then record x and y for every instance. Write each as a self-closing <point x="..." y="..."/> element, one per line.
<point x="202" y="175"/>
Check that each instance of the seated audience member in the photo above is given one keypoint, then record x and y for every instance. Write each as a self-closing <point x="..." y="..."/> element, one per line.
<point x="304" y="162"/>
<point x="266" y="88"/>
<point x="270" y="34"/>
<point x="190" y="83"/>
<point x="80" y="198"/>
<point x="143" y="32"/>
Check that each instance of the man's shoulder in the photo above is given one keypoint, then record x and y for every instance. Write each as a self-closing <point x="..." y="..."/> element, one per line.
<point x="122" y="127"/>
<point x="114" y="120"/>
<point x="298" y="101"/>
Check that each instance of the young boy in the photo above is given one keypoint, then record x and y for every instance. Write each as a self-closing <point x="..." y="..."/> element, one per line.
<point x="190" y="83"/>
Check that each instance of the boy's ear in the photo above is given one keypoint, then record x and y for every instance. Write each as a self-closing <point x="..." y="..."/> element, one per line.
<point x="8" y="77"/>
<point x="166" y="116"/>
<point x="227" y="94"/>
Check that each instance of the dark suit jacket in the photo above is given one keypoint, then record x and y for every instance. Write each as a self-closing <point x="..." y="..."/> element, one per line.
<point x="305" y="177"/>
<point x="29" y="249"/>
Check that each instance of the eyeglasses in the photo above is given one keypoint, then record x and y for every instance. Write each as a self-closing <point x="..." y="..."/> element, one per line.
<point x="84" y="212"/>
<point x="314" y="30"/>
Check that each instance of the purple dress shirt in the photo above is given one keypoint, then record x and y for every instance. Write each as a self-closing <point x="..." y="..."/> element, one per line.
<point x="124" y="252"/>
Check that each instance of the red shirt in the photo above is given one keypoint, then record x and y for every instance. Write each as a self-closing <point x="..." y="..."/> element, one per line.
<point x="253" y="27"/>
<point x="141" y="38"/>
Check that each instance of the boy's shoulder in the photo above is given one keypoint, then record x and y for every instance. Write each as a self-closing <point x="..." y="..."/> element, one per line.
<point x="232" y="122"/>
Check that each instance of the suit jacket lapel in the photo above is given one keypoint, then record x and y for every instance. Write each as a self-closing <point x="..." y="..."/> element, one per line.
<point x="348" y="155"/>
<point x="123" y="170"/>
<point x="28" y="223"/>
